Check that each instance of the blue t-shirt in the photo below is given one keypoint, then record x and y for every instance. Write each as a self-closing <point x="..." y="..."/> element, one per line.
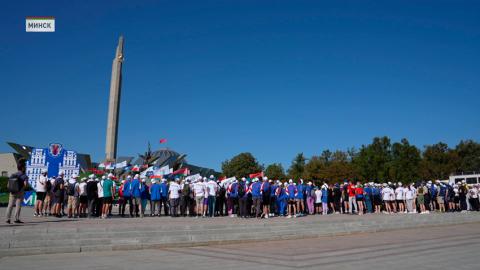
<point x="233" y="193"/>
<point x="155" y="194"/>
<point x="126" y="189"/>
<point x="273" y="190"/>
<point x="256" y="190"/>
<point x="291" y="191"/>
<point x="301" y="190"/>
<point x="135" y="188"/>
<point x="266" y="188"/>
<point x="163" y="190"/>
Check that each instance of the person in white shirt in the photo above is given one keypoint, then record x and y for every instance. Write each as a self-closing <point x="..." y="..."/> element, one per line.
<point x="82" y="190"/>
<point x="399" y="196"/>
<point x="409" y="198"/>
<point x="318" y="200"/>
<point x="212" y="189"/>
<point x="41" y="189"/>
<point x="174" y="197"/>
<point x="387" y="192"/>
<point x="199" y="190"/>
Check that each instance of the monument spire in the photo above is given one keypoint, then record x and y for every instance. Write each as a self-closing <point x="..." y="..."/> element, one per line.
<point x="114" y="104"/>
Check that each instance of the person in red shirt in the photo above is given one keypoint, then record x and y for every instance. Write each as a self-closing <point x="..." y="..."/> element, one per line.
<point x="352" y="202"/>
<point x="359" y="197"/>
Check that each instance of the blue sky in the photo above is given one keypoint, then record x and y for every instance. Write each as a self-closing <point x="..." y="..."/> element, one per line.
<point x="217" y="78"/>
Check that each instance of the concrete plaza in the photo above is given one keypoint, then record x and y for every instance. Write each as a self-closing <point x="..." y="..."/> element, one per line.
<point x="443" y="247"/>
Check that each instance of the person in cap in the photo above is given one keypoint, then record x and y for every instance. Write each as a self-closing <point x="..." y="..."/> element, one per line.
<point x="73" y="194"/>
<point x="136" y="191"/>
<point x="174" y="196"/>
<point x="127" y="196"/>
<point x="368" y="197"/>
<point x="377" y="198"/>
<point x="400" y="197"/>
<point x="273" y="197"/>
<point x="83" y="198"/>
<point x="164" y="197"/>
<point x="220" y="200"/>
<point x="282" y="198"/>
<point x="108" y="195"/>
<point x="243" y="197"/>
<point x="359" y="197"/>
<point x="291" y="191"/>
<point x="256" y="197"/>
<point x="212" y="189"/>
<point x="40" y="189"/>
<point x="299" y="198"/>
<point x="92" y="196"/>
<point x="199" y="193"/>
<point x="232" y="197"/>
<point x="265" y="191"/>
<point x="58" y="190"/>
<point x="310" y="198"/>
<point x="155" y="196"/>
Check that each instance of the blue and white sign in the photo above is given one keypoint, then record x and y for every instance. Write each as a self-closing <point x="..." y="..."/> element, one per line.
<point x="55" y="159"/>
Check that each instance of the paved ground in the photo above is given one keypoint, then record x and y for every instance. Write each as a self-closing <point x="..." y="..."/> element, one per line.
<point x="446" y="247"/>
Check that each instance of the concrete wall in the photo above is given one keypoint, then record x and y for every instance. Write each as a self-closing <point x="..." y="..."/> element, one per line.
<point x="8" y="164"/>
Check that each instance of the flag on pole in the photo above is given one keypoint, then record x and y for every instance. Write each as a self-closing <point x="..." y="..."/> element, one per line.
<point x="121" y="164"/>
<point x="101" y="165"/>
<point x="136" y="168"/>
<point x="163" y="140"/>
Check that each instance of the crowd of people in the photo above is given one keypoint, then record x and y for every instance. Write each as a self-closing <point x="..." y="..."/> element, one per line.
<point x="95" y="196"/>
<point x="137" y="196"/>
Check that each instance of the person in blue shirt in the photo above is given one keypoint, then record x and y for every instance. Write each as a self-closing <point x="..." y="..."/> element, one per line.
<point x="257" y="196"/>
<point x="377" y="198"/>
<point x="291" y="193"/>
<point x="163" y="197"/>
<point x="442" y="193"/>
<point x="127" y="196"/>
<point x="273" y="199"/>
<point x="325" y="199"/>
<point x="135" y="190"/>
<point x="282" y="198"/>
<point x="232" y="194"/>
<point x="144" y="196"/>
<point x="299" y="198"/>
<point x="265" y="188"/>
<point x="243" y="189"/>
<point x="368" y="197"/>
<point x="155" y="196"/>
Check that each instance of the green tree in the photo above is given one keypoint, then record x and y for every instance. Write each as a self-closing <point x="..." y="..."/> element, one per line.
<point x="373" y="160"/>
<point x="314" y="169"/>
<point x="275" y="171"/>
<point x="297" y="168"/>
<point x="405" y="162"/>
<point x="241" y="165"/>
<point x="439" y="161"/>
<point x="469" y="154"/>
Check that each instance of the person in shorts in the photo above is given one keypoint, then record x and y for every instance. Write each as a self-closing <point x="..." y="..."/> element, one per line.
<point x="108" y="194"/>
<point x="59" y="195"/>
<point x="291" y="191"/>
<point x="41" y="190"/>
<point x="72" y="193"/>
<point x="265" y="188"/>
<point x="199" y="191"/>
<point x="83" y="199"/>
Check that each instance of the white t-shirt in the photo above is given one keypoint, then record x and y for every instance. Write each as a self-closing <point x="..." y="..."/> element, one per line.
<point x="212" y="188"/>
<point x="100" y="189"/>
<point x="318" y="196"/>
<point x="41" y="183"/>
<point x="199" y="189"/>
<point x="399" y="193"/>
<point x="409" y="194"/>
<point x="386" y="192"/>
<point x="83" y="189"/>
<point x="174" y="189"/>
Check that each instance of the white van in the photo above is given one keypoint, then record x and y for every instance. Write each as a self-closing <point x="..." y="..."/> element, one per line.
<point x="470" y="179"/>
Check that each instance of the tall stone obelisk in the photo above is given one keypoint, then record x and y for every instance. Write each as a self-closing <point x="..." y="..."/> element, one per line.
<point x="114" y="104"/>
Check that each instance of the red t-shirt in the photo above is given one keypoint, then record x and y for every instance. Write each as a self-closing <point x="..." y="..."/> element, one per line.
<point x="351" y="190"/>
<point x="359" y="191"/>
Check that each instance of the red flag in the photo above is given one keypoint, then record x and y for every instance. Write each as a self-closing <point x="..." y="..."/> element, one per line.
<point x="258" y="174"/>
<point x="163" y="140"/>
<point x="184" y="171"/>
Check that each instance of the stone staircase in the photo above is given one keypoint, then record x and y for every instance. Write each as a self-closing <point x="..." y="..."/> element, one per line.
<point x="133" y="234"/>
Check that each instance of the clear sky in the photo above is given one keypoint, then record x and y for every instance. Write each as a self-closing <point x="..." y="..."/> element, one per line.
<point x="217" y="78"/>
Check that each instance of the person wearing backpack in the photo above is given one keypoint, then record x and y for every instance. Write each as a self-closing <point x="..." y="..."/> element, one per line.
<point x="72" y="193"/>
<point x="16" y="187"/>
<point x="58" y="190"/>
